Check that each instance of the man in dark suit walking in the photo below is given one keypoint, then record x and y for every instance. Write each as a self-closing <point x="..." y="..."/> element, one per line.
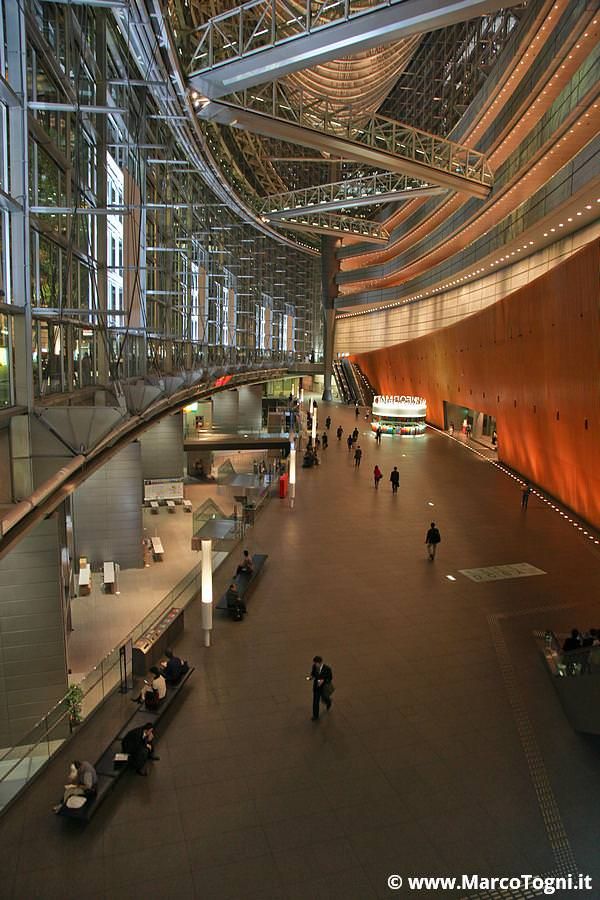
<point x="322" y="677"/>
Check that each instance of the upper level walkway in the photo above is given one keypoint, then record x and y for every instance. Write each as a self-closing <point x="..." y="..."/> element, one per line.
<point x="445" y="752"/>
<point x="93" y="434"/>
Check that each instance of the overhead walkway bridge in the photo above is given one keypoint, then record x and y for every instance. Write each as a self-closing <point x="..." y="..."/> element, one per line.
<point x="264" y="40"/>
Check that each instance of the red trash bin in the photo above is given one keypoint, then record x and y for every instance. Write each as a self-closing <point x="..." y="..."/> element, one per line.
<point x="283" y="487"/>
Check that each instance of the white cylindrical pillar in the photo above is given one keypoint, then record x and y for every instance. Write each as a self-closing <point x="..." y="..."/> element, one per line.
<point x="314" y="422"/>
<point x="207" y="591"/>
<point x="293" y="463"/>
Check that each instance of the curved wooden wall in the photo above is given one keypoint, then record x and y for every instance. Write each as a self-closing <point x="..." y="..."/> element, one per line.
<point x="533" y="361"/>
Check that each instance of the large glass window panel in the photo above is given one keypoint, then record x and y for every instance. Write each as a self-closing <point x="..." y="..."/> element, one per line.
<point x="50" y="353"/>
<point x="5" y="361"/>
<point x="49" y="273"/>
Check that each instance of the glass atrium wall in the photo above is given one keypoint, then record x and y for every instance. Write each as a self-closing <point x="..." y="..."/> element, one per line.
<point x="116" y="259"/>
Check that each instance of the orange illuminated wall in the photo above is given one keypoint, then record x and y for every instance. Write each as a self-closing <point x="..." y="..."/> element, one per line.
<point x="532" y="360"/>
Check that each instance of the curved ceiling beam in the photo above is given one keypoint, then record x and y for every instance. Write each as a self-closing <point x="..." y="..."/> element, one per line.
<point x="251" y="44"/>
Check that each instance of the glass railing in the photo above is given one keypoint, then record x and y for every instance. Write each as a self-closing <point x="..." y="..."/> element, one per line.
<point x="20" y="763"/>
<point x="570" y="663"/>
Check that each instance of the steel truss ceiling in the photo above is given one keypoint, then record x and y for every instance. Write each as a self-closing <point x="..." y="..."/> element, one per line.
<point x="379" y="142"/>
<point x="345" y="226"/>
<point x="366" y="190"/>
<point x="264" y="40"/>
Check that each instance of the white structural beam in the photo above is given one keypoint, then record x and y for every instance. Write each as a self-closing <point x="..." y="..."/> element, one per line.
<point x="207" y="590"/>
<point x="367" y="190"/>
<point x="262" y="40"/>
<point x="388" y="145"/>
<point x="340" y="226"/>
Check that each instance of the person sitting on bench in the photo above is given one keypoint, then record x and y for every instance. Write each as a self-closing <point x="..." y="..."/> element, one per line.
<point x="82" y="782"/>
<point x="174" y="668"/>
<point x="246" y="566"/>
<point x="235" y="604"/>
<point x="154" y="692"/>
<point x="139" y="745"/>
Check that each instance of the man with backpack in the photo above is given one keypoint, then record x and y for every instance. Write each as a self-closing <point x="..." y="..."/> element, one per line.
<point x="432" y="539"/>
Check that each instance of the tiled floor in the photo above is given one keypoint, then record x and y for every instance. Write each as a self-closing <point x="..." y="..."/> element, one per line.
<point x="446" y="750"/>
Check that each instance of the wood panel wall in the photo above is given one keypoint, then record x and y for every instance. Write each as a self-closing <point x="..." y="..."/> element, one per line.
<point x="532" y="360"/>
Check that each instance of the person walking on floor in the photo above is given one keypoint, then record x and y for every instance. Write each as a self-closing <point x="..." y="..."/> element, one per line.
<point x="377" y="476"/>
<point x="525" y="496"/>
<point x="321" y="676"/>
<point x="395" y="479"/>
<point x="378" y="435"/>
<point x="349" y="442"/>
<point x="355" y="435"/>
<point x="328" y="423"/>
<point x="432" y="539"/>
<point x="324" y="440"/>
<point x="356" y="410"/>
<point x="357" y="457"/>
<point x="339" y="432"/>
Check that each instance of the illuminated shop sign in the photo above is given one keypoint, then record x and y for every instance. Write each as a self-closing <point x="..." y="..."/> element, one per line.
<point x="399" y="414"/>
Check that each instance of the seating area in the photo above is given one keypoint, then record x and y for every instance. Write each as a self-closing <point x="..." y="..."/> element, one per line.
<point x="110" y="773"/>
<point x="245" y="582"/>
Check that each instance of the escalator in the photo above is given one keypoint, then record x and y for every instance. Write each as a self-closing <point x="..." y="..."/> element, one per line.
<point x="367" y="390"/>
<point x="341" y="381"/>
<point x="354" y="390"/>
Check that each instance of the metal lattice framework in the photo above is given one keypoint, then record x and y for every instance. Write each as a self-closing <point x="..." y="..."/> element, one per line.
<point x="345" y="226"/>
<point x="364" y="191"/>
<point x="279" y="111"/>
<point x="259" y="27"/>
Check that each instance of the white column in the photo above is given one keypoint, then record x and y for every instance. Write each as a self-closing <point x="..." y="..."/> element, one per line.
<point x="314" y="422"/>
<point x="207" y="592"/>
<point x="292" y="479"/>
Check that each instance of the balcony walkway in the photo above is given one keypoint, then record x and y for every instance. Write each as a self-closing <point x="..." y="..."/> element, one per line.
<point x="446" y="750"/>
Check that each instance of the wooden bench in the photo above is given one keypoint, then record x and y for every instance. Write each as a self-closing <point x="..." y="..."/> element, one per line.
<point x="245" y="582"/>
<point x="84" y="580"/>
<point x="109" y="774"/>
<point x="187" y="506"/>
<point x="171" y="506"/>
<point x="154" y="507"/>
<point x="157" y="549"/>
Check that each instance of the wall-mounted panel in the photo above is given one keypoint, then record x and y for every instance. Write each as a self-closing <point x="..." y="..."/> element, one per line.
<point x="107" y="512"/>
<point x="162" y="448"/>
<point x="33" y="671"/>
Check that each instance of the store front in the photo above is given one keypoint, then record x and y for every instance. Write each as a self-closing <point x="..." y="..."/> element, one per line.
<point x="478" y="425"/>
<point x="399" y="415"/>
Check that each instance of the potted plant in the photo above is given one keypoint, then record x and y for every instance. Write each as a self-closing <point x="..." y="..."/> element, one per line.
<point x="74" y="698"/>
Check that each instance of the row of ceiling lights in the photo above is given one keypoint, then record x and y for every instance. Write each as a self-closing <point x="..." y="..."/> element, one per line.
<point x="511" y="140"/>
<point x="463" y="278"/>
<point x="499" y="100"/>
<point x="479" y="219"/>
